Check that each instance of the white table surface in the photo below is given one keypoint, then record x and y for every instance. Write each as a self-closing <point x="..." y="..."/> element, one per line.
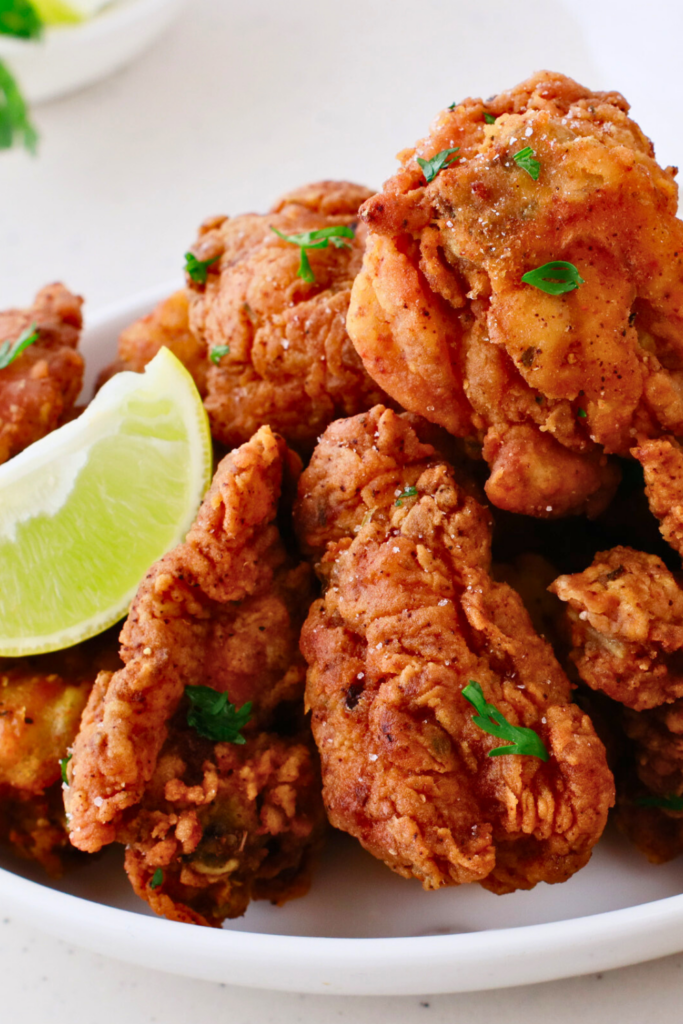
<point x="237" y="103"/>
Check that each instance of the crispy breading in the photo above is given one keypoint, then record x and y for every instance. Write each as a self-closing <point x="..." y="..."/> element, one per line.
<point x="444" y="322"/>
<point x="290" y="362"/>
<point x="410" y="616"/>
<point x="626" y="615"/>
<point x="222" y="610"/>
<point x="662" y="462"/>
<point x="39" y="388"/>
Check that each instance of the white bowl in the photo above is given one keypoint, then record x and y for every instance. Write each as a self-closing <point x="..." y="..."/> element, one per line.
<point x="68" y="58"/>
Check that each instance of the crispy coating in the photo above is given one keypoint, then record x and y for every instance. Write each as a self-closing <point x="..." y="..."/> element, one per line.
<point x="39" y="388"/>
<point x="290" y="362"/>
<point x="410" y="615"/>
<point x="167" y="325"/>
<point x="662" y="462"/>
<point x="443" y="321"/>
<point x="626" y="615"/>
<point x="223" y="610"/>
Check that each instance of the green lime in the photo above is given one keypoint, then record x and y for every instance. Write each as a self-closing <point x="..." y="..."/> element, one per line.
<point x="56" y="12"/>
<point x="86" y="510"/>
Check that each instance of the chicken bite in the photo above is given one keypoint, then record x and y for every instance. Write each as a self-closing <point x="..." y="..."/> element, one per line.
<point x="278" y="344"/>
<point x="662" y="462"/>
<point x="209" y="822"/>
<point x="410" y="616"/>
<point x="551" y="383"/>
<point x="38" y="388"/>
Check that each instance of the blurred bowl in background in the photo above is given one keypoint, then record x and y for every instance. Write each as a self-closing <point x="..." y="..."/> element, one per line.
<point x="70" y="57"/>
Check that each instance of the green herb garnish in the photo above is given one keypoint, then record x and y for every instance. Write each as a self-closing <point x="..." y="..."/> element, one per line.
<point x="218" y="352"/>
<point x="554" y="278"/>
<point x="488" y="717"/>
<point x="213" y="716"/>
<point x="489" y="118"/>
<point x="20" y="18"/>
<point x="15" y="123"/>
<point x="437" y="163"/>
<point x="409" y="492"/>
<point x="157" y="879"/>
<point x="525" y="160"/>
<point x="198" y="270"/>
<point x="452" y="106"/>
<point x="10" y="350"/>
<point x="319" y="239"/>
<point x="582" y="414"/>
<point x="62" y="767"/>
<point x="667" y="803"/>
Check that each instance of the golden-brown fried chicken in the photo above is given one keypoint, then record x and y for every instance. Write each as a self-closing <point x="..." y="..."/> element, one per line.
<point x="444" y="322"/>
<point x="410" y="616"/>
<point x="282" y="353"/>
<point x="662" y="462"/>
<point x="40" y="386"/>
<point x="208" y="824"/>
<point x="626" y="615"/>
<point x="167" y="325"/>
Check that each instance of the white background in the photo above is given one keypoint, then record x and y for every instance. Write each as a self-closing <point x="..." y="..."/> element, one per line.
<point x="237" y="103"/>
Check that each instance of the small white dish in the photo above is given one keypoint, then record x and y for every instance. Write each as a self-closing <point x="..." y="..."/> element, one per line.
<point x="70" y="57"/>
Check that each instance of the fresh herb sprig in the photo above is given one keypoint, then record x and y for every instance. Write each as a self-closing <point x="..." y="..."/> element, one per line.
<point x="525" y="160"/>
<point x="320" y="239"/>
<point x="20" y="18"/>
<point x="63" y="765"/>
<point x="431" y="167"/>
<point x="157" y="879"/>
<point x="489" y="118"/>
<point x="198" y="270"/>
<point x="15" y="124"/>
<point x="213" y="716"/>
<point x="667" y="803"/>
<point x="523" y="741"/>
<point x="408" y="492"/>
<point x="218" y="352"/>
<point x="555" y="278"/>
<point x="11" y="350"/>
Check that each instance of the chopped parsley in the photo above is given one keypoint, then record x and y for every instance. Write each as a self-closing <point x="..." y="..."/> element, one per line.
<point x="525" y="160"/>
<point x="667" y="803"/>
<point x="157" y="879"/>
<point x="63" y="766"/>
<point x="320" y="239"/>
<point x="218" y="352"/>
<point x="524" y="741"/>
<point x="431" y="168"/>
<point x="409" y="492"/>
<point x="15" y="124"/>
<point x="452" y="106"/>
<point x="213" y="716"/>
<point x="582" y="414"/>
<point x="489" y="118"/>
<point x="20" y="18"/>
<point x="10" y="350"/>
<point x="554" y="278"/>
<point x="198" y="270"/>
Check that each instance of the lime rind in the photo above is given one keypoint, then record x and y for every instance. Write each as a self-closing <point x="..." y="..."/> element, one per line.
<point x="90" y="507"/>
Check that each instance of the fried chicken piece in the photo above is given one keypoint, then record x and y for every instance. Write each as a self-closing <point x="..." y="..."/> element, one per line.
<point x="626" y="615"/>
<point x="657" y="833"/>
<point x="444" y="322"/>
<point x="222" y="822"/>
<point x="289" y="361"/>
<point x="167" y="325"/>
<point x="662" y="462"/>
<point x="40" y="386"/>
<point x="410" y="616"/>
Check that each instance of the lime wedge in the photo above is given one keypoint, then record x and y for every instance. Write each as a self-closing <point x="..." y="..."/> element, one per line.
<point x="85" y="511"/>
<point x="56" y="12"/>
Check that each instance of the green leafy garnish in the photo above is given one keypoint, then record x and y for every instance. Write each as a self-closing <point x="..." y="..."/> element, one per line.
<point x="157" y="879"/>
<point x="15" y="124"/>
<point x="62" y="767"/>
<point x="20" y="18"/>
<point x="489" y="118"/>
<point x="218" y="352"/>
<point x="409" y="492"/>
<point x="525" y="160"/>
<point x="437" y="163"/>
<point x="213" y="716"/>
<point x="582" y="414"/>
<point x="554" y="278"/>
<point x="667" y="803"/>
<point x="488" y="717"/>
<point x="319" y="239"/>
<point x="198" y="270"/>
<point x="452" y="106"/>
<point x="10" y="350"/>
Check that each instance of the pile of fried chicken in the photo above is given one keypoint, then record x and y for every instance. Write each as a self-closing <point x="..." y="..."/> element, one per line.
<point x="438" y="566"/>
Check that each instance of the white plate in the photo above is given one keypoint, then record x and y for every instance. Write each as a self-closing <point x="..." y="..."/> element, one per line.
<point x="362" y="930"/>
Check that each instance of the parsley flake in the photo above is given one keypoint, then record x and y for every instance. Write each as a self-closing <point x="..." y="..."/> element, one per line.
<point x="218" y="352"/>
<point x="452" y="106"/>
<point x="213" y="716"/>
<point x="20" y="18"/>
<point x="667" y="803"/>
<point x="489" y="118"/>
<point x="157" y="879"/>
<point x="64" y="761"/>
<point x="489" y="719"/>
<point x="409" y="492"/>
<point x="320" y="239"/>
<point x="582" y="414"/>
<point x="10" y="350"/>
<point x="554" y="278"/>
<point x="198" y="270"/>
<point x="525" y="160"/>
<point x="430" y="168"/>
<point x="15" y="123"/>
